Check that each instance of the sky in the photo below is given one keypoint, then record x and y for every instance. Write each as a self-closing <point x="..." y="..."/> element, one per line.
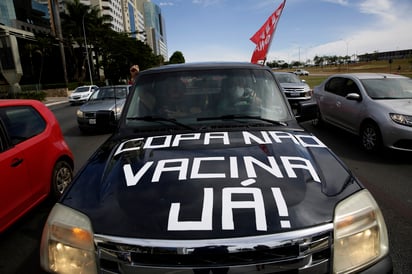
<point x="220" y="30"/>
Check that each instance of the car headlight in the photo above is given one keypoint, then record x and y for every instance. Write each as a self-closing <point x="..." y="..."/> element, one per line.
<point x="80" y="113"/>
<point x="360" y="235"/>
<point x="67" y="242"/>
<point x="401" y="119"/>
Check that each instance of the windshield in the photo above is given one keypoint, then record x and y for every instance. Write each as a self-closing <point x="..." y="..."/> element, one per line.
<point x="105" y="93"/>
<point x="388" y="88"/>
<point x="287" y="78"/>
<point x="198" y="96"/>
<point x="82" y="89"/>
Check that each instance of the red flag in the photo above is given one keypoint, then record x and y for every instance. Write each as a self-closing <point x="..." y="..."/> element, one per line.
<point x="263" y="37"/>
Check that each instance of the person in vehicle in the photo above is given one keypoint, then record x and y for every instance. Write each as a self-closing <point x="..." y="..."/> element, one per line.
<point x="172" y="100"/>
<point x="237" y="93"/>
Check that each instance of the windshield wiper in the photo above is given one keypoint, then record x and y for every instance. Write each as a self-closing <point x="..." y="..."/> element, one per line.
<point x="159" y="119"/>
<point x="234" y="116"/>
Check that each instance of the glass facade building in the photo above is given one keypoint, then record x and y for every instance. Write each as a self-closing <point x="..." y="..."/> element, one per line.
<point x="7" y="13"/>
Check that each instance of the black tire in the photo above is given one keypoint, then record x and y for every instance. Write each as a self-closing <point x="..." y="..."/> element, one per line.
<point x="370" y="137"/>
<point x="62" y="177"/>
<point x="318" y="121"/>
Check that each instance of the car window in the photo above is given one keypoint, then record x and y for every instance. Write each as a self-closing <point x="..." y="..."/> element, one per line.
<point x="3" y="139"/>
<point x="110" y="93"/>
<point x="81" y="89"/>
<point x="336" y="85"/>
<point x="22" y="123"/>
<point x="350" y="87"/>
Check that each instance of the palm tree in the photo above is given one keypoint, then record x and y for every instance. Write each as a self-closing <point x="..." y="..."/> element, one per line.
<point x="117" y="51"/>
<point x="80" y="21"/>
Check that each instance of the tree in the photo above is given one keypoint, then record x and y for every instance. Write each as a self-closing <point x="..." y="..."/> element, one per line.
<point x="114" y="52"/>
<point x="177" y="58"/>
<point x="119" y="52"/>
<point x="81" y="20"/>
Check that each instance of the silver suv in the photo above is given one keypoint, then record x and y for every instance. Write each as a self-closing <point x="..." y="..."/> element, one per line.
<point x="295" y="89"/>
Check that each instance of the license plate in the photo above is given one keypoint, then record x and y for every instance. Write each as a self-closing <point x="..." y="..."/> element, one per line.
<point x="294" y="94"/>
<point x="92" y="121"/>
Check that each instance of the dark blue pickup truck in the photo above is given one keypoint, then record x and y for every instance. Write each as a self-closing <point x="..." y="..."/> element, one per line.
<point x="209" y="171"/>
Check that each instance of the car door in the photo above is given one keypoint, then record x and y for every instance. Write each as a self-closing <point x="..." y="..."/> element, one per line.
<point x="348" y="110"/>
<point x="34" y="142"/>
<point x="15" y="189"/>
<point x="330" y="99"/>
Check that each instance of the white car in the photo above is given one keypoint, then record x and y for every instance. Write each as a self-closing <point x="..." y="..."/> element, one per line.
<point x="82" y="94"/>
<point x="301" y="72"/>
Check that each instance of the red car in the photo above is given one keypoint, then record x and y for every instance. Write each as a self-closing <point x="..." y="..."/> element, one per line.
<point x="35" y="160"/>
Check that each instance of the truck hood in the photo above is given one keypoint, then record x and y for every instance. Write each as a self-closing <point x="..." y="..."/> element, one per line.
<point x="210" y="185"/>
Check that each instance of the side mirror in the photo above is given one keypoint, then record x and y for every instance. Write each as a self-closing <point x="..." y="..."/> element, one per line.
<point x="353" y="96"/>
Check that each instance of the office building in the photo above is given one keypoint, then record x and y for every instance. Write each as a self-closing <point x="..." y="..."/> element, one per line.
<point x="22" y="20"/>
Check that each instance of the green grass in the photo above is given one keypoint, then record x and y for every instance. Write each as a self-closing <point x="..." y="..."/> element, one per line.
<point x="318" y="74"/>
<point x="314" y="80"/>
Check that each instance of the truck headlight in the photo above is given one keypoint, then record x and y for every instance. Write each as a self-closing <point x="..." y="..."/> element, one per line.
<point x="118" y="111"/>
<point x="360" y="235"/>
<point x="79" y="113"/>
<point x="67" y="242"/>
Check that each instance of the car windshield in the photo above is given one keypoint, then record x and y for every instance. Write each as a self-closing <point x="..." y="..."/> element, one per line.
<point x="388" y="88"/>
<point x="105" y="93"/>
<point x="81" y="89"/>
<point x="198" y="96"/>
<point x="288" y="78"/>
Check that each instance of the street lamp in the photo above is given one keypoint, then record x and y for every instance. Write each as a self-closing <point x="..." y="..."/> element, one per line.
<point x="87" y="51"/>
<point x="347" y="52"/>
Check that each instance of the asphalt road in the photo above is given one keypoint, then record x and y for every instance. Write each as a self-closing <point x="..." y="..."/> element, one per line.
<point x="387" y="175"/>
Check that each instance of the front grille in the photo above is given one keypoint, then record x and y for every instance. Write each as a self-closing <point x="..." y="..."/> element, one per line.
<point x="303" y="251"/>
<point x="90" y="115"/>
<point x="294" y="90"/>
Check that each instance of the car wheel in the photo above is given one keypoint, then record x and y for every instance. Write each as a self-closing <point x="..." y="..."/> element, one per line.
<point x="371" y="139"/>
<point x="61" y="178"/>
<point x="318" y="121"/>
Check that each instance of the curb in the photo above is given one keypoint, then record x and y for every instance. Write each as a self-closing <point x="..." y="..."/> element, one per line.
<point x="55" y="101"/>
